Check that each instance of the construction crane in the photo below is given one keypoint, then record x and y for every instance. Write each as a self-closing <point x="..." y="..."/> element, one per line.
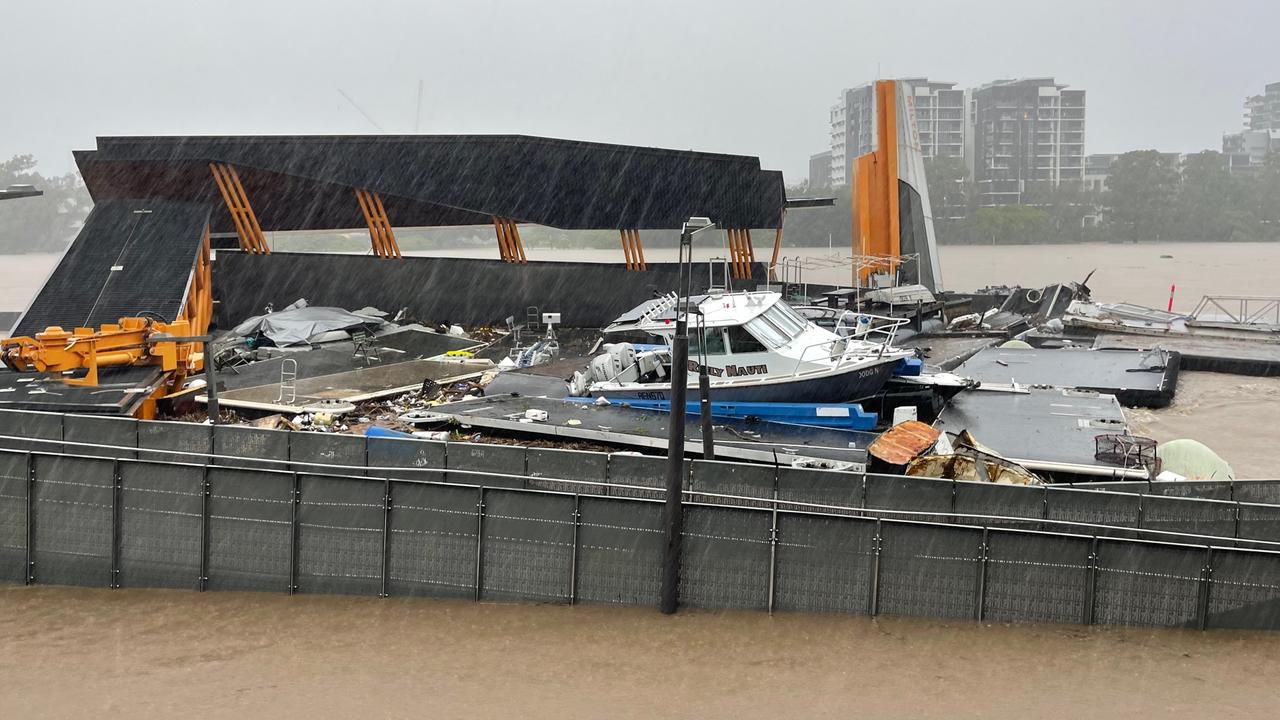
<point x="134" y="341"/>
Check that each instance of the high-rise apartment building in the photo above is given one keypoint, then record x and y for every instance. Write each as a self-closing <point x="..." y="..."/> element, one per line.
<point x="1262" y="112"/>
<point x="938" y="123"/>
<point x="1248" y="149"/>
<point x="1028" y="134"/>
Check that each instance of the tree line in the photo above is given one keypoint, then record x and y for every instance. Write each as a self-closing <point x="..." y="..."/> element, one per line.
<point x="1149" y="197"/>
<point x="40" y="224"/>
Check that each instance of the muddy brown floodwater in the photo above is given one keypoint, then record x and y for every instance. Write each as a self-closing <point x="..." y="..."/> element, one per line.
<point x="166" y="654"/>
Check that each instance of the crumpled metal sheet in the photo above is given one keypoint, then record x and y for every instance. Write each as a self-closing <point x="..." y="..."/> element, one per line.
<point x="904" y="442"/>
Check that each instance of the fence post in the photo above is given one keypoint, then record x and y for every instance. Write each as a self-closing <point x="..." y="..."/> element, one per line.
<point x="573" y="559"/>
<point x="206" y="490"/>
<point x="293" y="533"/>
<point x="1139" y="523"/>
<point x="386" y="538"/>
<point x="1206" y="584"/>
<point x="877" y="543"/>
<point x="773" y="557"/>
<point x="479" y="543"/>
<point x="1091" y="582"/>
<point x="1236" y="533"/>
<point x="980" y="594"/>
<point x="117" y="487"/>
<point x="30" y="572"/>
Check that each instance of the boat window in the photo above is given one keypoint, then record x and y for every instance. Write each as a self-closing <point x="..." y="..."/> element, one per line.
<point x="715" y="342"/>
<point x="763" y="330"/>
<point x="786" y="319"/>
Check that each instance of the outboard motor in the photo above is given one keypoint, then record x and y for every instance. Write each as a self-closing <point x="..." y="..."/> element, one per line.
<point x="617" y="364"/>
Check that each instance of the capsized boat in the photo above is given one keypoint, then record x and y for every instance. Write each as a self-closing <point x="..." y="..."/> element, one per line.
<point x="757" y="349"/>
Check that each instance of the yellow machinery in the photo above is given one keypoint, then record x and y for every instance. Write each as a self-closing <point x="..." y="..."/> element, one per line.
<point x="132" y="341"/>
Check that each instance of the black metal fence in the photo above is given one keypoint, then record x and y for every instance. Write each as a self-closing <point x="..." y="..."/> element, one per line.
<point x="122" y="522"/>
<point x="1242" y="511"/>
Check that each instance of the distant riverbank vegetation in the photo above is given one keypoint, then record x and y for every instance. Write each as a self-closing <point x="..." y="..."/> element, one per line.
<point x="1150" y="197"/>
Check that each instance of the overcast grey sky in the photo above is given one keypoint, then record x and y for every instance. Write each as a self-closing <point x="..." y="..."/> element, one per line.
<point x="750" y="76"/>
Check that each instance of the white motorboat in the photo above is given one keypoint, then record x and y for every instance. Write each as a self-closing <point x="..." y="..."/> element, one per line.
<point x="757" y="349"/>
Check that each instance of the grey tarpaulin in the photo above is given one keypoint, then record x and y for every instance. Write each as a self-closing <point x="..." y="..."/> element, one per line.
<point x="297" y="323"/>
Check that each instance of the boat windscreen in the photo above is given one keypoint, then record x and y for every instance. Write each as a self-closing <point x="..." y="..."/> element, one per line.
<point x="767" y="332"/>
<point x="786" y="319"/>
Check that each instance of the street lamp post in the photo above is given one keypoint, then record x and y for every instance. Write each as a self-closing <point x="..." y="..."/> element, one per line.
<point x="675" y="436"/>
<point x="19" y="191"/>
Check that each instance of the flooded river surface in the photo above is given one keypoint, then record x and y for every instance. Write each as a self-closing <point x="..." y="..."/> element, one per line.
<point x="68" y="652"/>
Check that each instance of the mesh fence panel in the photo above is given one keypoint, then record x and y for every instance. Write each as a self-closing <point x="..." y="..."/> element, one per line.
<point x="821" y="487"/>
<point x="175" y="436"/>
<point x="327" y="449"/>
<point x="824" y="564"/>
<point x="247" y="447"/>
<point x="412" y="456"/>
<point x="1033" y="577"/>
<point x="929" y="570"/>
<point x="1257" y="491"/>
<point x="1204" y="490"/>
<point x="13" y="517"/>
<point x="1094" y="508"/>
<point x="528" y="546"/>
<point x="1020" y="501"/>
<point x="432" y="540"/>
<point x="592" y="467"/>
<point x="642" y="470"/>
<point x="1260" y="522"/>
<point x="755" y="481"/>
<point x="250" y="529"/>
<point x="1147" y="584"/>
<point x="161" y="531"/>
<point x="73" y="520"/>
<point x="340" y="535"/>
<point x="33" y="425"/>
<point x="507" y="461"/>
<point x="725" y="563"/>
<point x="890" y="492"/>
<point x="620" y="550"/>
<point x="1245" y="592"/>
<point x="90" y="430"/>
<point x="1187" y="515"/>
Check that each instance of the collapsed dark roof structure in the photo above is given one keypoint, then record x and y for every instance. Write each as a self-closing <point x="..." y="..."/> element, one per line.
<point x="306" y="182"/>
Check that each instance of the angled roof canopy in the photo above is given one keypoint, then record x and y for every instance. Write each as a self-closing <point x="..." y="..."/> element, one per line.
<point x="306" y="182"/>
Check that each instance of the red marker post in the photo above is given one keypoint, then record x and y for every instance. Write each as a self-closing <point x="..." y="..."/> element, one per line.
<point x="1172" y="288"/>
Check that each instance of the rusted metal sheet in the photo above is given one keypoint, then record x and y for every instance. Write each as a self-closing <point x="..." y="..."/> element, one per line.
<point x="904" y="442"/>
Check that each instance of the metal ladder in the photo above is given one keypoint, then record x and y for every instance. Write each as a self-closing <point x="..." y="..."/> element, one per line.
<point x="288" y="382"/>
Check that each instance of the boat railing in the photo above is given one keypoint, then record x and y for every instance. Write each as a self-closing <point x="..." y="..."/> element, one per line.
<point x="881" y="335"/>
<point x="1239" y="309"/>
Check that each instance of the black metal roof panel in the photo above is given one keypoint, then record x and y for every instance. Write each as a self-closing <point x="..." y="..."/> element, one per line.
<point x="130" y="257"/>
<point x="453" y="179"/>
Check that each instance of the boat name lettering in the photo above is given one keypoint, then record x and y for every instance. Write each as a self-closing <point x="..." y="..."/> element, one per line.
<point x="731" y="370"/>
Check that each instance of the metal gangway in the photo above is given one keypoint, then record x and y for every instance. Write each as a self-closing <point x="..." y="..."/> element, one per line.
<point x="1239" y="310"/>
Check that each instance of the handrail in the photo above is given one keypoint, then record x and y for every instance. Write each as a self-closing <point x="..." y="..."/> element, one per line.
<point x="1249" y="309"/>
<point x="890" y="331"/>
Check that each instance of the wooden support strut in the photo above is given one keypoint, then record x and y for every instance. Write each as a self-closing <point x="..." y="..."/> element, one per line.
<point x="381" y="235"/>
<point x="242" y="215"/>
<point x="510" y="249"/>
<point x="626" y="248"/>
<point x="633" y="250"/>
<point x="638" y="250"/>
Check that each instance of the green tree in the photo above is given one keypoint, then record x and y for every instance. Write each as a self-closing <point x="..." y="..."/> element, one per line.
<point x="1209" y="206"/>
<point x="42" y="224"/>
<point x="1142" y="190"/>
